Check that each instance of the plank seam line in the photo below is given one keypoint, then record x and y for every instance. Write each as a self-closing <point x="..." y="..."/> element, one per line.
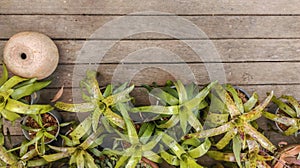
<point x="180" y="63"/>
<point x="168" y="39"/>
<point x="124" y="14"/>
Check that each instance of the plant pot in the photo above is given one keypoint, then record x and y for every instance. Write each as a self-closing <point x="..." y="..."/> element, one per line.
<point x="32" y="99"/>
<point x="61" y="142"/>
<point x="245" y="96"/>
<point x="35" y="97"/>
<point x="282" y="127"/>
<point x="54" y="115"/>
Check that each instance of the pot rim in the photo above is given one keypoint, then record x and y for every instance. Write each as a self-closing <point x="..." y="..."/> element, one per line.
<point x="243" y="91"/>
<point x="276" y="112"/>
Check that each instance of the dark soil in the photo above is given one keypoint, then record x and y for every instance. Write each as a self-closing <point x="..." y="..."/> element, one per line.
<point x="242" y="96"/>
<point x="48" y="121"/>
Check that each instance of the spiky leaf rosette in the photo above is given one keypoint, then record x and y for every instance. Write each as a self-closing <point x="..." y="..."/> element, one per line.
<point x="182" y="105"/>
<point x="239" y="125"/>
<point x="98" y="103"/>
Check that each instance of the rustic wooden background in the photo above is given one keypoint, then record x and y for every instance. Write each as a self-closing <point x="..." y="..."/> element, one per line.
<point x="258" y="40"/>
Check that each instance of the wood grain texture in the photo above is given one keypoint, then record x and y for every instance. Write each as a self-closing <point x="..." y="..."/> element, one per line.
<point x="83" y="27"/>
<point x="183" y="7"/>
<point x="231" y="50"/>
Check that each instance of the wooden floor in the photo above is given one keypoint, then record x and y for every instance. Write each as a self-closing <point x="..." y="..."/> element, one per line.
<point x="258" y="41"/>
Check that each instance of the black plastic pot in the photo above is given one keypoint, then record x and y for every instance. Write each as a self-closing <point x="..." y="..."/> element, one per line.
<point x="242" y="91"/>
<point x="34" y="97"/>
<point x="54" y="114"/>
<point x="277" y="125"/>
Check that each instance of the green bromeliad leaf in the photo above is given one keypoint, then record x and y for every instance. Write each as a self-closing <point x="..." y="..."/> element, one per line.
<point x="237" y="147"/>
<point x="237" y="100"/>
<point x="82" y="107"/>
<point x="250" y="104"/>
<point x="29" y="89"/>
<point x="293" y="102"/>
<point x="7" y="157"/>
<point x="10" y="83"/>
<point x="200" y="150"/>
<point x="22" y="108"/>
<point x="179" y="156"/>
<point x="4" y="75"/>
<point x="163" y="96"/>
<point x="133" y="136"/>
<point x="284" y="107"/>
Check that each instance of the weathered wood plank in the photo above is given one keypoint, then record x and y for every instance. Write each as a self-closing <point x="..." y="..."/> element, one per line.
<point x="231" y="50"/>
<point x="82" y="27"/>
<point x="15" y="140"/>
<point x="138" y="74"/>
<point x="190" y="7"/>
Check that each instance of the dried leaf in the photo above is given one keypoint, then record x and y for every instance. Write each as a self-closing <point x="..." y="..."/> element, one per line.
<point x="58" y="94"/>
<point x="149" y="162"/>
<point x="286" y="155"/>
<point x="282" y="143"/>
<point x="294" y="151"/>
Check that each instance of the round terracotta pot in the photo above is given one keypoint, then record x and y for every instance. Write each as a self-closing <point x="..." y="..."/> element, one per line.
<point x="31" y="55"/>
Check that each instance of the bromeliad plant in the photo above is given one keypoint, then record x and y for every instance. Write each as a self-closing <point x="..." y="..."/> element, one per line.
<point x="12" y="90"/>
<point x="217" y="112"/>
<point x="133" y="146"/>
<point x="25" y="158"/>
<point x="40" y="129"/>
<point x="182" y="111"/>
<point x="98" y="103"/>
<point x="182" y="105"/>
<point x="15" y="88"/>
<point x="238" y="128"/>
<point x="288" y="114"/>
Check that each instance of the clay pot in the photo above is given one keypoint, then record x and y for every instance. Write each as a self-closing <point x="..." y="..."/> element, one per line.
<point x="31" y="55"/>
